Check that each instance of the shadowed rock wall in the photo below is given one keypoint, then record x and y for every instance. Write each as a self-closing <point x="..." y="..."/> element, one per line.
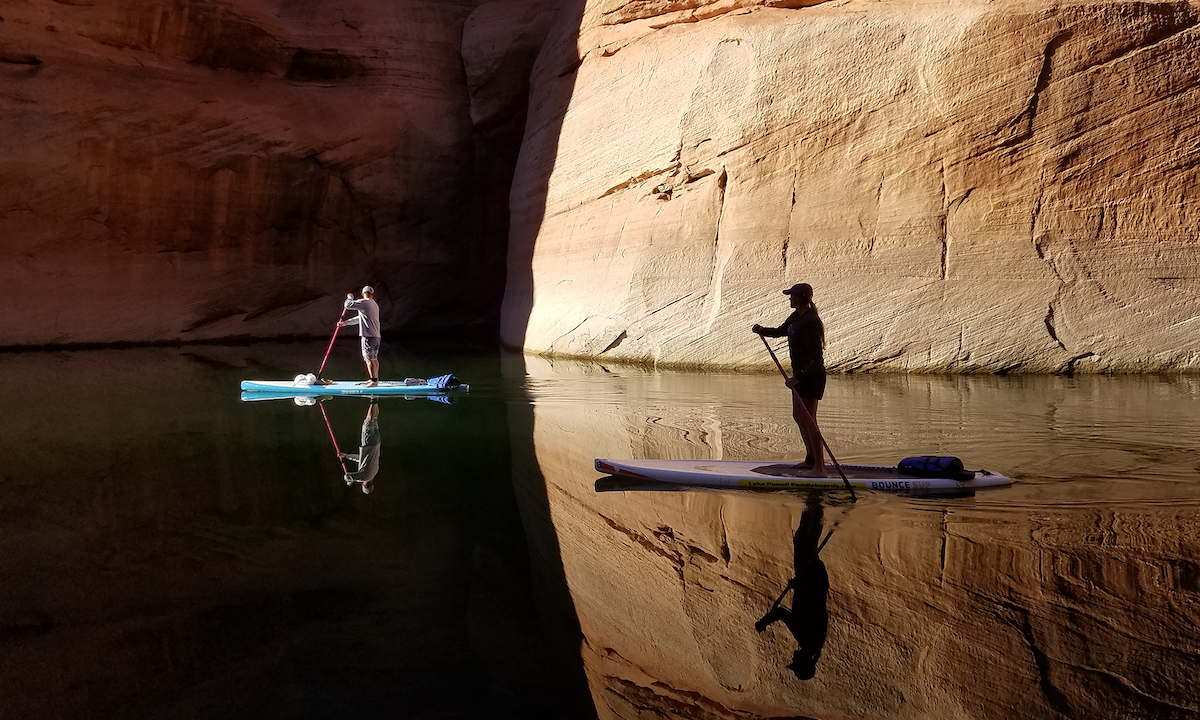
<point x="1002" y="186"/>
<point x="189" y="169"/>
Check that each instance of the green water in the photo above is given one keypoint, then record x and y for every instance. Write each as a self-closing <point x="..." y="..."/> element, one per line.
<point x="169" y="551"/>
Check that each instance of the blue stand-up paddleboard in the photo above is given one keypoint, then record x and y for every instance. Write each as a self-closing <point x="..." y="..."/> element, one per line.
<point x="912" y="475"/>
<point x="265" y="389"/>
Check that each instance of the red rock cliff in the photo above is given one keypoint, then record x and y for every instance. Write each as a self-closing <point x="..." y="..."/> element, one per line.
<point x="183" y="170"/>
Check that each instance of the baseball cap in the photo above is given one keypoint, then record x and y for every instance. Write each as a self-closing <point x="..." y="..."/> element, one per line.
<point x="804" y="290"/>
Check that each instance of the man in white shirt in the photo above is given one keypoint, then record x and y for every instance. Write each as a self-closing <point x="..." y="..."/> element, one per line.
<point x="368" y="329"/>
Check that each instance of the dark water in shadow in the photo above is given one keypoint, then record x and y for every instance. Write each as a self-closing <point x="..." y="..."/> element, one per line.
<point x="168" y="551"/>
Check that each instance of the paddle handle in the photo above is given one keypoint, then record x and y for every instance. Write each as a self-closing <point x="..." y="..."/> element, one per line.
<point x="811" y="420"/>
<point x="329" y="349"/>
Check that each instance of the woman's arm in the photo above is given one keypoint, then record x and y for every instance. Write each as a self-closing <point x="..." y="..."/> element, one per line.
<point x="772" y="332"/>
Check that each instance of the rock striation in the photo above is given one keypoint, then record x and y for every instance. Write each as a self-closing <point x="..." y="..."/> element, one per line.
<point x="970" y="187"/>
<point x="200" y="169"/>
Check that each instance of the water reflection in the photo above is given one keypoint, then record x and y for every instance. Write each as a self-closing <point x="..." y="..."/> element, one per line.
<point x="1073" y="593"/>
<point x="367" y="456"/>
<point x="182" y="554"/>
<point x="808" y="618"/>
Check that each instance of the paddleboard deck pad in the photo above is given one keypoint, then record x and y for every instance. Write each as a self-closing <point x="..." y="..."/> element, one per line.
<point x="288" y="388"/>
<point x="782" y="475"/>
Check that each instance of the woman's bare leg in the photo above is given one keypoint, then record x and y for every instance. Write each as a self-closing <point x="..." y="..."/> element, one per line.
<point x="812" y="438"/>
<point x="815" y="461"/>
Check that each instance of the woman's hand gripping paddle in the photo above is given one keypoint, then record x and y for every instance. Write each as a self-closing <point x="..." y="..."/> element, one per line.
<point x="817" y="430"/>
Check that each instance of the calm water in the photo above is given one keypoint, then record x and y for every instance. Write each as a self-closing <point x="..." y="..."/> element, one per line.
<point x="168" y="551"/>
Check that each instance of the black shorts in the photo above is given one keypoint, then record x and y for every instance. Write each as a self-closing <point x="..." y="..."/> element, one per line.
<point x="811" y="384"/>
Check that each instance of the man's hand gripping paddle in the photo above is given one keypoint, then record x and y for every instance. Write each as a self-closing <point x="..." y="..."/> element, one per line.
<point x="817" y="430"/>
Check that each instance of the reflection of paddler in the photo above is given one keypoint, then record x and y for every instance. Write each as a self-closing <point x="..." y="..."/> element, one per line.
<point x="368" y="452"/>
<point x="808" y="620"/>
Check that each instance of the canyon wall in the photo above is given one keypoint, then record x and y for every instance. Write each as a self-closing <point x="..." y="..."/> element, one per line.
<point x="969" y="187"/>
<point x="190" y="169"/>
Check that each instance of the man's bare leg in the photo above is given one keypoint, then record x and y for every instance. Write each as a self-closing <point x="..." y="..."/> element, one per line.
<point x="372" y="373"/>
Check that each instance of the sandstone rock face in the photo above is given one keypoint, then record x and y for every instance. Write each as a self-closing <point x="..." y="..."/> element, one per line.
<point x="1047" y="599"/>
<point x="501" y="40"/>
<point x="196" y="169"/>
<point x="973" y="186"/>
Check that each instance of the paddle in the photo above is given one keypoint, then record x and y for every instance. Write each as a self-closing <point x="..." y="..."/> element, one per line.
<point x="336" y="449"/>
<point x="329" y="349"/>
<point x="813" y="422"/>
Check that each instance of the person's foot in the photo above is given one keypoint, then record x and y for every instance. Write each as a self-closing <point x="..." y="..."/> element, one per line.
<point x="814" y="473"/>
<point x="371" y="383"/>
<point x="806" y="465"/>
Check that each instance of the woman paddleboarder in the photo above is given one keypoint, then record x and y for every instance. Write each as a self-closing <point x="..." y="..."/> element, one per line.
<point x="806" y="347"/>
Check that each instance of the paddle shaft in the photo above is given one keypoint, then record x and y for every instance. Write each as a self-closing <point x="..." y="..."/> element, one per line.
<point x="811" y="420"/>
<point x="330" y="348"/>
<point x="336" y="449"/>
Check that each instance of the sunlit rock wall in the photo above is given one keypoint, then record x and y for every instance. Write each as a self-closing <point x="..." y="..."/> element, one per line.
<point x="1041" y="600"/>
<point x="969" y="186"/>
<point x="195" y="169"/>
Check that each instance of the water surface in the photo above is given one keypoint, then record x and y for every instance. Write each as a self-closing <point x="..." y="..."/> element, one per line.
<point x="170" y="551"/>
<point x="1074" y="593"/>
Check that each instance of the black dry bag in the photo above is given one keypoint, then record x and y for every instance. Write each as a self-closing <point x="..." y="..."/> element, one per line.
<point x="934" y="466"/>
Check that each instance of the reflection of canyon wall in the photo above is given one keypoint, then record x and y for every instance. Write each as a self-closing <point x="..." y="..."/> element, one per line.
<point x="968" y="186"/>
<point x="1010" y="605"/>
<point x="188" y="170"/>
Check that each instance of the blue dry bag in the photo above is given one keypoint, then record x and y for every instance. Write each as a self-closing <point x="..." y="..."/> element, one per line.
<point x="444" y="382"/>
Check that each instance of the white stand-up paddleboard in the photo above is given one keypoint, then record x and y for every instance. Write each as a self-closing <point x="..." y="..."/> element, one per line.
<point x="768" y="474"/>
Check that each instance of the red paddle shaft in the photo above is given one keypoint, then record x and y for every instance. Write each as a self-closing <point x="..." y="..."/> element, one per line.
<point x="330" y="348"/>
<point x="811" y="421"/>
<point x="336" y="449"/>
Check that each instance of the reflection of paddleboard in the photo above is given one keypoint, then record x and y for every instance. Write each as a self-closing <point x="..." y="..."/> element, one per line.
<point x="777" y="475"/>
<point x="286" y="388"/>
